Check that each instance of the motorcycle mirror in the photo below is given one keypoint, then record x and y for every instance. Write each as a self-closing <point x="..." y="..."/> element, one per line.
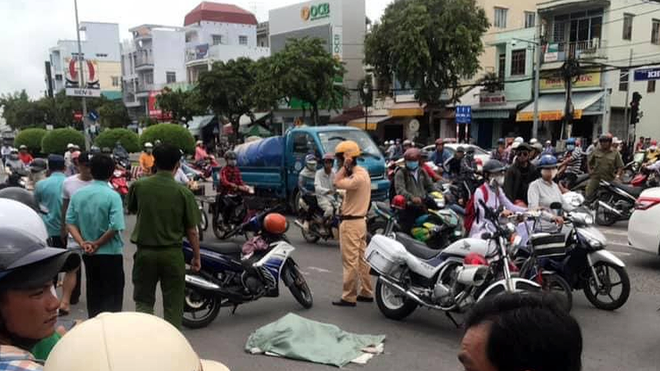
<point x="555" y="206"/>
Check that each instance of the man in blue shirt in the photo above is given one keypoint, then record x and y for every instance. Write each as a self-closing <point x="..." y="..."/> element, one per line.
<point x="95" y="219"/>
<point x="441" y="155"/>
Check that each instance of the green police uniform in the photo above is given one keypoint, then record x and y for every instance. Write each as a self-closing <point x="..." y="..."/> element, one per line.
<point x="164" y="210"/>
<point x="603" y="166"/>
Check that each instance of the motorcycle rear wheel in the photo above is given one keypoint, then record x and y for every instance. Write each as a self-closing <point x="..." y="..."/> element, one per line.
<point x="196" y="301"/>
<point x="217" y="230"/>
<point x="556" y="284"/>
<point x="392" y="304"/>
<point x="593" y="293"/>
<point x="603" y="217"/>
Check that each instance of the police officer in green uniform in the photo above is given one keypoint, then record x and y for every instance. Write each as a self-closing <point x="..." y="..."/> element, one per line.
<point x="604" y="164"/>
<point x="166" y="212"/>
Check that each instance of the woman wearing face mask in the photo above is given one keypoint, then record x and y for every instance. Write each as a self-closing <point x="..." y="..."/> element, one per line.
<point x="544" y="191"/>
<point x="492" y="194"/>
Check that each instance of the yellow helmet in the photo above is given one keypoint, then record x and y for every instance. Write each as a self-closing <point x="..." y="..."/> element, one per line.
<point x="349" y="148"/>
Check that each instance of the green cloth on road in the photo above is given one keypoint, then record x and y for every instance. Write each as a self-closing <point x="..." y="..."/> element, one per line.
<point x="164" y="264"/>
<point x="165" y="209"/>
<point x="299" y="338"/>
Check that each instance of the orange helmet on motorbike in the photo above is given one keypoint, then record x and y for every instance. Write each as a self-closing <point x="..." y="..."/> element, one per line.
<point x="275" y="223"/>
<point x="399" y="202"/>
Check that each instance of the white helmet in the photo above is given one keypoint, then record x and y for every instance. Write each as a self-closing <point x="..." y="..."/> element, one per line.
<point x="17" y="215"/>
<point x="70" y="146"/>
<point x="518" y="140"/>
<point x="199" y="143"/>
<point x="533" y="141"/>
<point x="125" y="335"/>
<point x="148" y="145"/>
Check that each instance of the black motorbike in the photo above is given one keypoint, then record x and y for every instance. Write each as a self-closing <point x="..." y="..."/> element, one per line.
<point x="317" y="225"/>
<point x="615" y="201"/>
<point x="230" y="211"/>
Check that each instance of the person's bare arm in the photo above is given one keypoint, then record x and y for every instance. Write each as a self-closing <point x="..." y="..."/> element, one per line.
<point x="75" y="233"/>
<point x="65" y="206"/>
<point x="193" y="238"/>
<point x="105" y="238"/>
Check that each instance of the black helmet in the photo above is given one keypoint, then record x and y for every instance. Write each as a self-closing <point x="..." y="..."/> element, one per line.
<point x="23" y="196"/>
<point x="38" y="165"/>
<point x="20" y="250"/>
<point x="230" y="155"/>
<point x="493" y="166"/>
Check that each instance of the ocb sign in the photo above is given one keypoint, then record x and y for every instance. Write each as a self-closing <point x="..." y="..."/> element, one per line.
<point x="314" y="12"/>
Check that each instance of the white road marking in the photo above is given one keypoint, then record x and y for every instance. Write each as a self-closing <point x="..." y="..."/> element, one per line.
<point x="319" y="269"/>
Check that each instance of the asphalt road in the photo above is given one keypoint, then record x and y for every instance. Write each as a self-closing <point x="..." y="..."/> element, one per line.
<point x="626" y="339"/>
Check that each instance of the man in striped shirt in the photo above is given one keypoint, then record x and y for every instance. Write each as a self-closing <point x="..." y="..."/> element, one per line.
<point x="572" y="164"/>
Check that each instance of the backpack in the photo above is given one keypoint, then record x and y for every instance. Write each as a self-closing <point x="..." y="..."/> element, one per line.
<point x="471" y="210"/>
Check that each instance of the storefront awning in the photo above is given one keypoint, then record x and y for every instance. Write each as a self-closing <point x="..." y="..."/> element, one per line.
<point x="406" y="110"/>
<point x="551" y="106"/>
<point x="197" y="123"/>
<point x="372" y="122"/>
<point x="502" y="111"/>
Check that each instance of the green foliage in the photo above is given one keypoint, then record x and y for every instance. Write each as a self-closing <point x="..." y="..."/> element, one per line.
<point x="183" y="105"/>
<point x="429" y="44"/>
<point x="31" y="138"/>
<point x="146" y="121"/>
<point x="306" y="70"/>
<point x="109" y="137"/>
<point x="226" y="89"/>
<point x="113" y="114"/>
<point x="172" y="134"/>
<point x="55" y="141"/>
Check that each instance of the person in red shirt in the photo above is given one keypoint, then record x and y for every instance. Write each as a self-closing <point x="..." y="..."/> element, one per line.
<point x="230" y="176"/>
<point x="24" y="155"/>
<point x="423" y="163"/>
<point x="200" y="152"/>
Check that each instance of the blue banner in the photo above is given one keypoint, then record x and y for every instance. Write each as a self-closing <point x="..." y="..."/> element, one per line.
<point x="646" y="74"/>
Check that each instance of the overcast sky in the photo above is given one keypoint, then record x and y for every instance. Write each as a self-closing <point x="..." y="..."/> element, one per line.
<point x="30" y="27"/>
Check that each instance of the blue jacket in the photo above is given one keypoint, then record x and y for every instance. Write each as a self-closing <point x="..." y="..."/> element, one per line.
<point x="440" y="159"/>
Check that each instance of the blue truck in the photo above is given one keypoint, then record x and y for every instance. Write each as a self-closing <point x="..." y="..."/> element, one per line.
<point x="272" y="164"/>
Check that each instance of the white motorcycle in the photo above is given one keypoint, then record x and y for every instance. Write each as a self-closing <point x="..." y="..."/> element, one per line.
<point x="411" y="274"/>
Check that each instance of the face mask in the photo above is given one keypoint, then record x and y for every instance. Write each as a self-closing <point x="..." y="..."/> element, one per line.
<point x="412" y="165"/>
<point x="570" y="147"/>
<point x="231" y="162"/>
<point x="549" y="173"/>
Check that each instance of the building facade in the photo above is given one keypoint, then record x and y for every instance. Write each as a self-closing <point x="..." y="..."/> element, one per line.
<point x="101" y="50"/>
<point x="340" y="23"/>
<point x="152" y="59"/>
<point x="219" y="32"/>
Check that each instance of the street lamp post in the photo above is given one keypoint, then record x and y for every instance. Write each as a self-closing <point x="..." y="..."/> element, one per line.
<point x="365" y="92"/>
<point x="81" y="81"/>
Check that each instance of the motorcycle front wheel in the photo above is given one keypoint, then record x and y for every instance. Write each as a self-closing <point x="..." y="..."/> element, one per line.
<point x="199" y="309"/>
<point x="604" y="217"/>
<point x="554" y="283"/>
<point x="218" y="224"/>
<point x="299" y="288"/>
<point x="392" y="304"/>
<point x="612" y="293"/>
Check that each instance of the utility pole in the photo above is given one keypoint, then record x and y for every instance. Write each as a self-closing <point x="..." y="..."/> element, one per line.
<point x="81" y="81"/>
<point x="569" y="71"/>
<point x="626" y="121"/>
<point x="537" y="81"/>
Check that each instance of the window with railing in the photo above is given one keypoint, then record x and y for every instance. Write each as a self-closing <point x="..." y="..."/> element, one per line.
<point x="518" y="62"/>
<point x="577" y="32"/>
<point x="627" y="26"/>
<point x="655" y="32"/>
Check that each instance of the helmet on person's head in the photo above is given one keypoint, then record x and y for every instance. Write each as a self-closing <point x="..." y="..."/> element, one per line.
<point x="424" y="154"/>
<point x="500" y="141"/>
<point x="439" y="141"/>
<point x="411" y="154"/>
<point x="607" y="137"/>
<point x="16" y="214"/>
<point x="329" y="157"/>
<point x="13" y="151"/>
<point x="148" y="145"/>
<point x="95" y="150"/>
<point x="69" y="146"/>
<point x="570" y="141"/>
<point x="23" y="147"/>
<point x="493" y="166"/>
<point x="199" y="143"/>
<point x="310" y="162"/>
<point x="538" y="147"/>
<point x="348" y="148"/>
<point x="128" y="344"/>
<point x="548" y="162"/>
<point x="469" y="150"/>
<point x="399" y="202"/>
<point x="106" y="150"/>
<point x="407" y="142"/>
<point x="533" y="140"/>
<point x="548" y="142"/>
<point x="27" y="262"/>
<point x="275" y="223"/>
<point x="230" y="155"/>
<point x="515" y="145"/>
<point x="460" y="149"/>
<point x="518" y="140"/>
<point x="654" y="142"/>
<point x="39" y="165"/>
<point x="76" y="147"/>
<point x="23" y="196"/>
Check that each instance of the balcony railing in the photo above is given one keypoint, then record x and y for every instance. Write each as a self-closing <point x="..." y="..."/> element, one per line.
<point x="586" y="49"/>
<point x="144" y="60"/>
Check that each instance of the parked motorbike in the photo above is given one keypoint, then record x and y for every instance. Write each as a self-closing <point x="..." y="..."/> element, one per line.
<point x="207" y="166"/>
<point x="580" y="184"/>
<point x="230" y="211"/>
<point x="119" y="183"/>
<point x="578" y="255"/>
<point x="633" y="167"/>
<point x="451" y="280"/>
<point x="317" y="225"/>
<point x="125" y="163"/>
<point x="227" y="281"/>
<point x="615" y="202"/>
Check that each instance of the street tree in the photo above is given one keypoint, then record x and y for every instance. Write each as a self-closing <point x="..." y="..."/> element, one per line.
<point x="429" y="45"/>
<point x="226" y="89"/>
<point x="308" y="72"/>
<point x="182" y="105"/>
<point x="113" y="114"/>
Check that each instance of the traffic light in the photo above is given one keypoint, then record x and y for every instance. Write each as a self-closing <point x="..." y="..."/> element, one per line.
<point x="634" y="108"/>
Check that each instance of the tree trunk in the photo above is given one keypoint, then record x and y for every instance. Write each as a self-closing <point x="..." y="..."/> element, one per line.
<point x="315" y="113"/>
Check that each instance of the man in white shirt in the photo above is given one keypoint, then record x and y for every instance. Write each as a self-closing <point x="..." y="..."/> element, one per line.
<point x="68" y="157"/>
<point x="324" y="187"/>
<point x="6" y="151"/>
